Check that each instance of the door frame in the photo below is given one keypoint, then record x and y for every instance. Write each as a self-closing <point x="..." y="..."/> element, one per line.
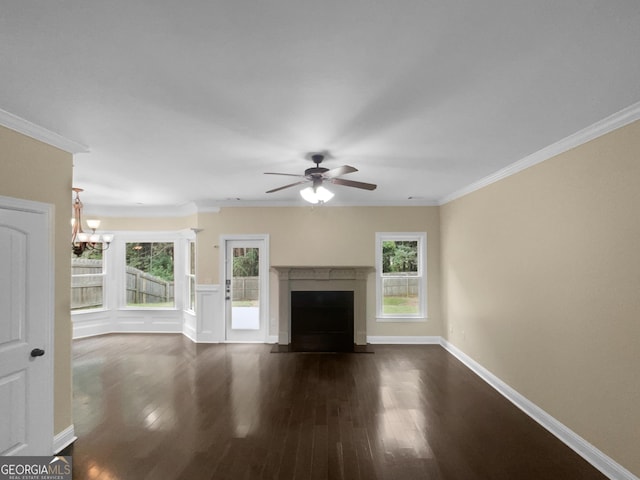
<point x="47" y="319"/>
<point x="264" y="279"/>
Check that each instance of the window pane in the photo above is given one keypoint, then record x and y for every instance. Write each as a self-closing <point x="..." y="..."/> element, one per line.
<point x="192" y="258"/>
<point x="87" y="280"/>
<point x="150" y="274"/>
<point x="400" y="295"/>
<point x="89" y="254"/>
<point x="86" y="292"/>
<point x="191" y="276"/>
<point x="245" y="304"/>
<point x="400" y="257"/>
<point x="400" y="284"/>
<point x="192" y="293"/>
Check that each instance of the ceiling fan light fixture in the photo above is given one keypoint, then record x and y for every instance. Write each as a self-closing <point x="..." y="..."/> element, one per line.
<point x="316" y="194"/>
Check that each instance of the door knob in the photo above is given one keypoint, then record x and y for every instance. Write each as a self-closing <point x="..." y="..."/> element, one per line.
<point x="37" y="352"/>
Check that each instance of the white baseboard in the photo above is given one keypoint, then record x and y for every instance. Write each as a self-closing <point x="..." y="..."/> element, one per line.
<point x="132" y="328"/>
<point x="196" y="337"/>
<point x="189" y="332"/>
<point x="403" y="340"/>
<point x="90" y="330"/>
<point x="63" y="439"/>
<point x="200" y="338"/>
<point x="203" y="339"/>
<point x="591" y="454"/>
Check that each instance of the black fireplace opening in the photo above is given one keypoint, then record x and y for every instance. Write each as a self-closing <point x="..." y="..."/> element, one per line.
<point x="322" y="321"/>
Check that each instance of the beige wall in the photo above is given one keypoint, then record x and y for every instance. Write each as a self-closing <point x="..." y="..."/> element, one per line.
<point x="35" y="171"/>
<point x="327" y="236"/>
<point x="541" y="285"/>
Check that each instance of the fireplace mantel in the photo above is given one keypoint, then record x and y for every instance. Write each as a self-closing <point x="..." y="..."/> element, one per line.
<point x="318" y="278"/>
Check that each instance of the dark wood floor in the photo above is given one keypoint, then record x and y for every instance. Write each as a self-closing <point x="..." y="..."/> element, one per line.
<point x="159" y="407"/>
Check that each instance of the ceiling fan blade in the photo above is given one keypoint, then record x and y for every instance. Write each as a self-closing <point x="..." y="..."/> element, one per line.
<point x="351" y="183"/>
<point x="287" y="186"/>
<point x="287" y="174"/>
<point x="339" y="171"/>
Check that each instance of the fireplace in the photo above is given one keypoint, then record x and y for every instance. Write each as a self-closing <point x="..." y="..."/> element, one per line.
<point x="322" y="321"/>
<point x="349" y="280"/>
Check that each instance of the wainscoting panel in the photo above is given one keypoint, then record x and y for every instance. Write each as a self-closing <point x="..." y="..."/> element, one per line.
<point x="207" y="325"/>
<point x="126" y="321"/>
<point x="91" y="323"/>
<point x="149" y="321"/>
<point x="189" y="324"/>
<point x="209" y="316"/>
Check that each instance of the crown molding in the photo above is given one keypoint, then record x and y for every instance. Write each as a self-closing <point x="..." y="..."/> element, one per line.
<point x="428" y="202"/>
<point x="192" y="208"/>
<point x="139" y="211"/>
<point x="606" y="125"/>
<point x="32" y="130"/>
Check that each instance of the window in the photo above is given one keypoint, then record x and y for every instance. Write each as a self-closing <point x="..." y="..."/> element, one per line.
<point x="87" y="280"/>
<point x="191" y="275"/>
<point x="150" y="274"/>
<point x="401" y="270"/>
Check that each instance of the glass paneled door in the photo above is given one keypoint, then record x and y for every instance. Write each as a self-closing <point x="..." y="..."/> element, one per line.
<point x="245" y="290"/>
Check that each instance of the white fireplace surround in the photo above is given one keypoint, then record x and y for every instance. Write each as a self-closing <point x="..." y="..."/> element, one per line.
<point x="322" y="279"/>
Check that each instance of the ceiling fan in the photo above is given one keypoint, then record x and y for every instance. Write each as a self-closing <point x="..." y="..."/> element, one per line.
<point x="318" y="175"/>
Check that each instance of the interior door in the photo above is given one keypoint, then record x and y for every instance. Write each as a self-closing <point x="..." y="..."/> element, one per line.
<point x="26" y="384"/>
<point x="245" y="292"/>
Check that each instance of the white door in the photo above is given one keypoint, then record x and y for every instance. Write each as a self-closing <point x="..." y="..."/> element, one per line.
<point x="245" y="290"/>
<point x="26" y="356"/>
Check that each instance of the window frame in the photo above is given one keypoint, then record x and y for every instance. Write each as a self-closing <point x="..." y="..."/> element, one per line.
<point x="190" y="276"/>
<point x="176" y="268"/>
<point x="421" y="238"/>
<point x="114" y="284"/>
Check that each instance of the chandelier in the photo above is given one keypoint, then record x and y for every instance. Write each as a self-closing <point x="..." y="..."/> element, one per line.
<point x="80" y="240"/>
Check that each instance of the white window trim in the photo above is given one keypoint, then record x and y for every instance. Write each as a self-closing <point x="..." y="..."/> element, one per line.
<point x="189" y="275"/>
<point x="421" y="237"/>
<point x="114" y="297"/>
<point x="121" y="239"/>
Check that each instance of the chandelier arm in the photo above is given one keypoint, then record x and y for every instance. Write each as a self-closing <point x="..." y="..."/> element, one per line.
<point x="80" y="241"/>
<point x="77" y="218"/>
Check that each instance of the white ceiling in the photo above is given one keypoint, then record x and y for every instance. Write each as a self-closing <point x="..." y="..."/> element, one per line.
<point x="190" y="102"/>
